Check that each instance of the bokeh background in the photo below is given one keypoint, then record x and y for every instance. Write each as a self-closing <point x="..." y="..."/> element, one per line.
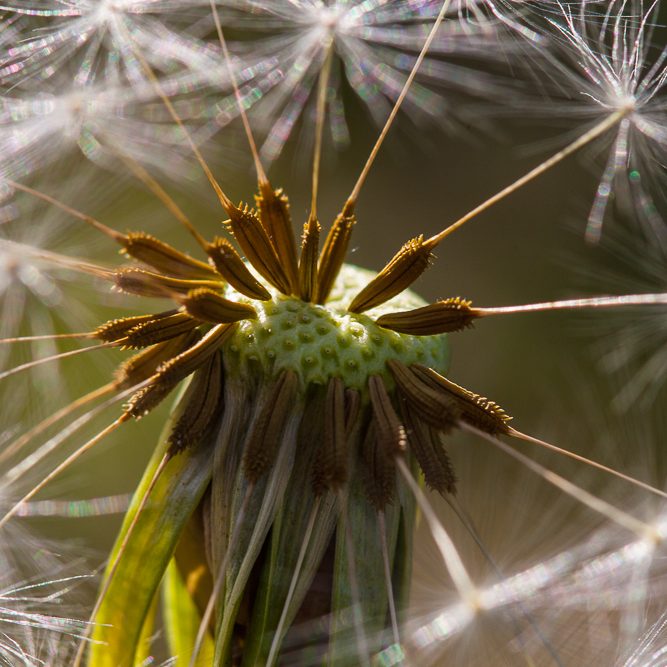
<point x="546" y="369"/>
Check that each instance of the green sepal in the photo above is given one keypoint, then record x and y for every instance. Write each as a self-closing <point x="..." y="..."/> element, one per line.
<point x="176" y="494"/>
<point x="181" y="621"/>
<point x="229" y="490"/>
<point x="287" y="537"/>
<point x="368" y="620"/>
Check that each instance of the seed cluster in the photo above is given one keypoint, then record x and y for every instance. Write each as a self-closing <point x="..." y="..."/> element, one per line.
<point x="319" y="342"/>
<point x="299" y="325"/>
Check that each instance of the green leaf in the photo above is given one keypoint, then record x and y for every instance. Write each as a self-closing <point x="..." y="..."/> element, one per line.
<point x="177" y="492"/>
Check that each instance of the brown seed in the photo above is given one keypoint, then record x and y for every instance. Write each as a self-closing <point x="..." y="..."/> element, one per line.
<point x="179" y="367"/>
<point x="273" y="207"/>
<point x="425" y="443"/>
<point x="435" y="406"/>
<point x="164" y="258"/>
<point x="141" y="366"/>
<point x="388" y="442"/>
<point x="266" y="432"/>
<point x="202" y="406"/>
<point x="158" y="330"/>
<point x="114" y="330"/>
<point x="207" y="305"/>
<point x="257" y="247"/>
<point x="474" y="409"/>
<point x="440" y="317"/>
<point x="147" y="399"/>
<point x="232" y="268"/>
<point x="308" y="260"/>
<point x="147" y="283"/>
<point x="403" y="269"/>
<point x="333" y="254"/>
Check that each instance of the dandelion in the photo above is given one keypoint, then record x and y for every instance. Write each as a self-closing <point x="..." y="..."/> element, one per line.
<point x="606" y="63"/>
<point x="276" y="514"/>
<point x="371" y="46"/>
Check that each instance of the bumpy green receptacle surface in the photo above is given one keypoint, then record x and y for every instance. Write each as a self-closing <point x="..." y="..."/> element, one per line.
<point x="321" y="342"/>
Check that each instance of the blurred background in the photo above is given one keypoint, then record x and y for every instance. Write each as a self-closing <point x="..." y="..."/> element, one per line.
<point x="567" y="377"/>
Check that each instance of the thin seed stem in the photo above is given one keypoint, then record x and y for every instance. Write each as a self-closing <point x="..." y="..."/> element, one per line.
<point x="469" y="525"/>
<point x="595" y="132"/>
<point x="261" y="174"/>
<point x="61" y="260"/>
<point x="444" y="542"/>
<point x="144" y="176"/>
<point x="354" y="195"/>
<point x="599" y="505"/>
<point x="26" y="464"/>
<point x="224" y="199"/>
<point x="121" y="550"/>
<point x="100" y="226"/>
<point x="571" y="304"/>
<point x="382" y="528"/>
<point x="275" y="644"/>
<point x="54" y="357"/>
<point x="577" y="457"/>
<point x="20" y="442"/>
<point x="319" y="126"/>
<point x="220" y="577"/>
<point x="65" y="464"/>
<point x="26" y="339"/>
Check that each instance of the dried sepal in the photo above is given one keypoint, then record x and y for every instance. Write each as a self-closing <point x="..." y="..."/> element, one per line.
<point x="207" y="305"/>
<point x="266" y="433"/>
<point x="308" y="260"/>
<point x="202" y="406"/>
<point x="389" y="441"/>
<point x="257" y="247"/>
<point x="405" y="267"/>
<point x="331" y="463"/>
<point x="163" y="257"/>
<point x="273" y="207"/>
<point x="434" y="406"/>
<point x="143" y="365"/>
<point x="425" y="443"/>
<point x="352" y="410"/>
<point x="160" y="329"/>
<point x="475" y="410"/>
<point x="443" y="316"/>
<point x="147" y="283"/>
<point x="232" y="268"/>
<point x="333" y="254"/>
<point x="117" y="329"/>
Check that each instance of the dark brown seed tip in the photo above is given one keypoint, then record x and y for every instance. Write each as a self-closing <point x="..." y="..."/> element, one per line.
<point x="444" y="316"/>
<point x="308" y="260"/>
<point x="209" y="306"/>
<point x="435" y="406"/>
<point x="163" y="257"/>
<point x="388" y="441"/>
<point x="425" y="443"/>
<point x="475" y="410"/>
<point x="274" y="212"/>
<point x="333" y="254"/>
<point x="232" y="268"/>
<point x="202" y="406"/>
<point x="404" y="268"/>
<point x="257" y="246"/>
